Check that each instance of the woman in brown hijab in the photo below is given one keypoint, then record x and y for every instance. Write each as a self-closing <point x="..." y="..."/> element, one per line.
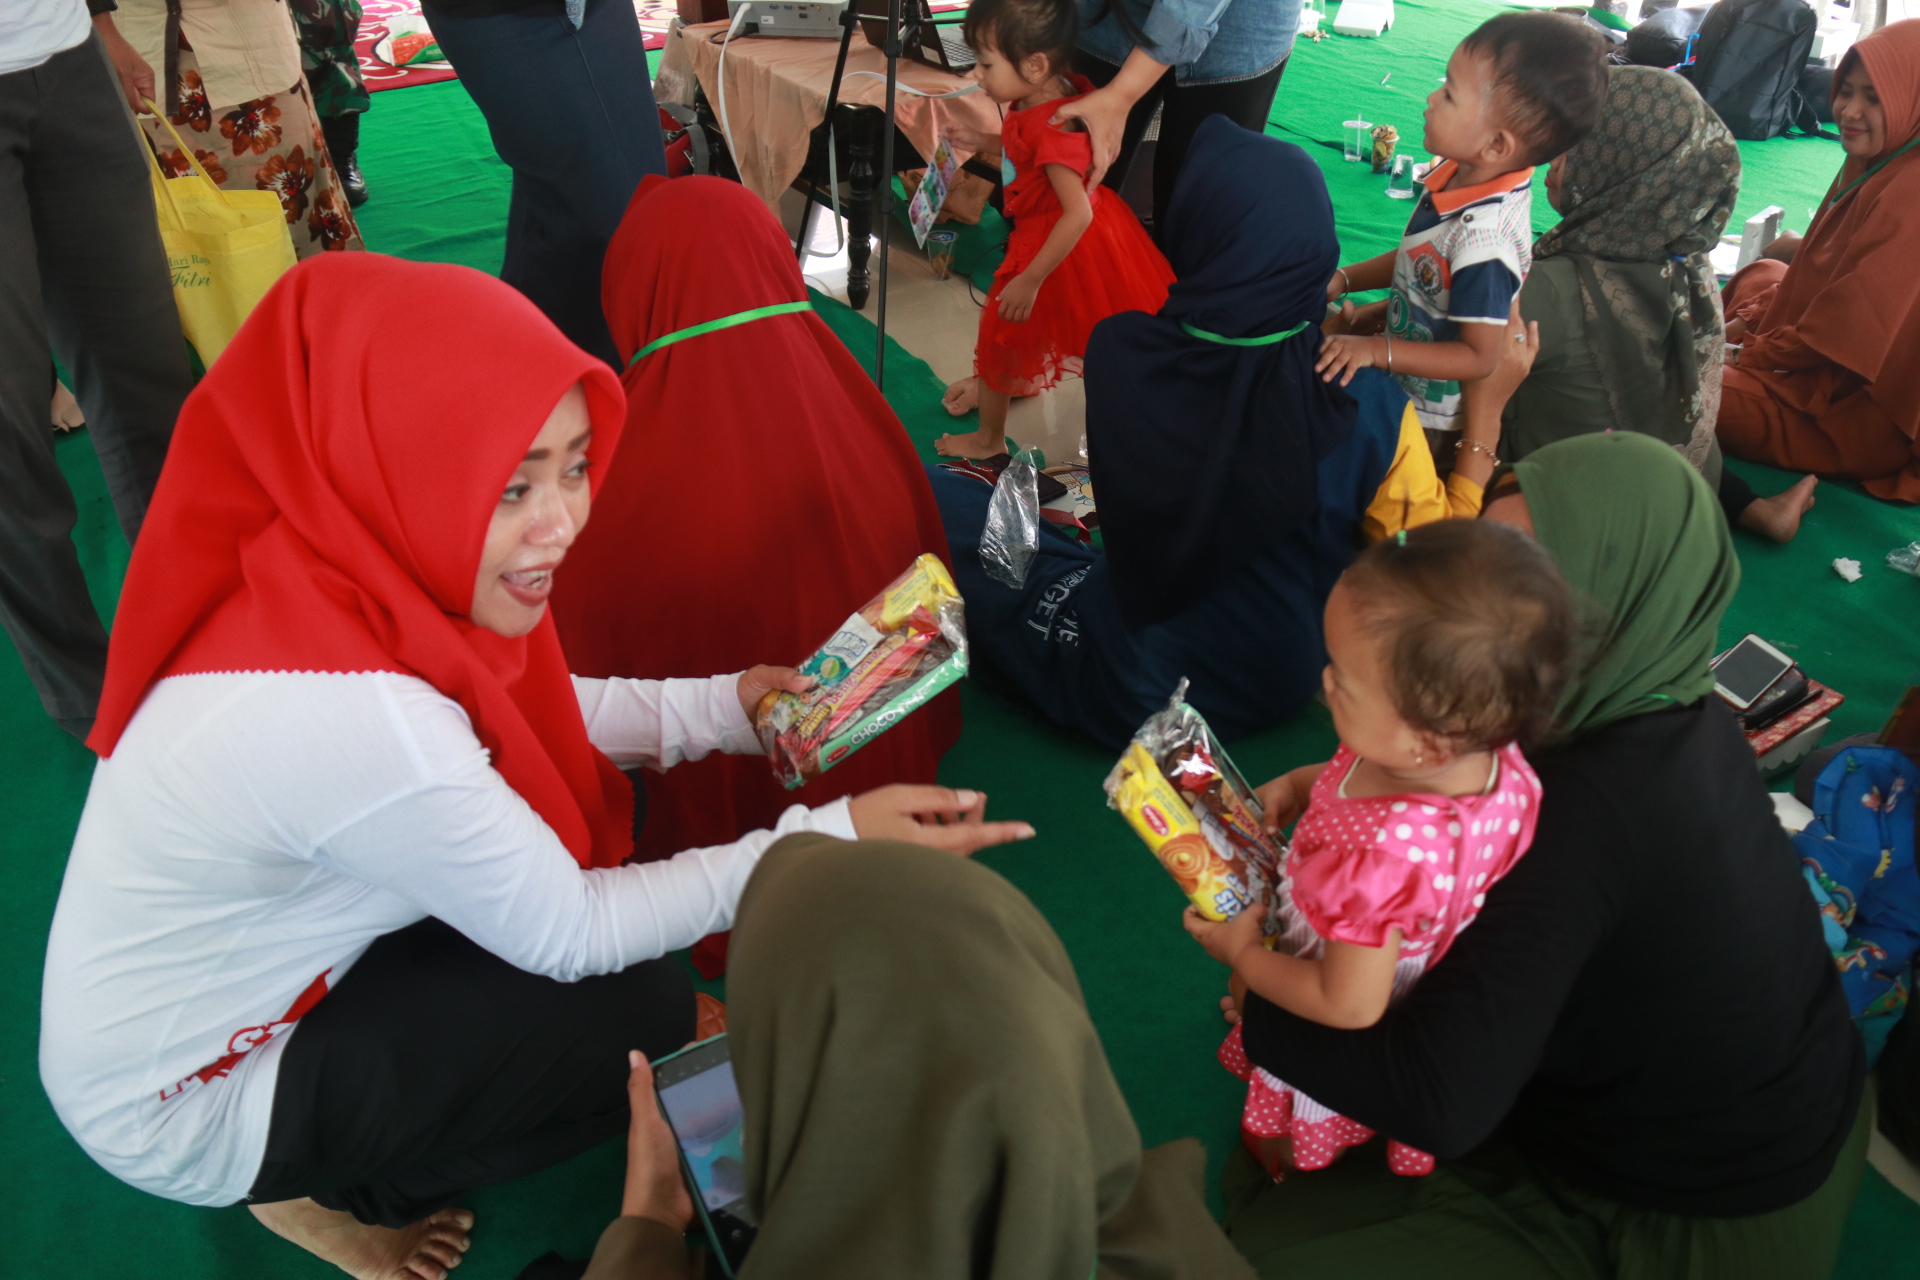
<point x="924" y="1094"/>
<point x="1827" y="378"/>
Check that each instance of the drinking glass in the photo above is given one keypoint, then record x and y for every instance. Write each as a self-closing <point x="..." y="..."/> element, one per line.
<point x="1358" y="140"/>
<point x="1400" y="184"/>
<point x="940" y="247"/>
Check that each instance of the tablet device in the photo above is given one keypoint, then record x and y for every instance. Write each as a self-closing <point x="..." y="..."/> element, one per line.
<point x="702" y="1107"/>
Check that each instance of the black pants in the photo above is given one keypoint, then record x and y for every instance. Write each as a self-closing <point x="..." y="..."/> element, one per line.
<point x="1736" y="495"/>
<point x="572" y="114"/>
<point x="82" y="272"/>
<point x="1245" y="102"/>
<point x="436" y="1068"/>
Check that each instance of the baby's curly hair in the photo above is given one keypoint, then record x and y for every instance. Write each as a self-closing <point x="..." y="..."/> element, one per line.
<point x="1477" y="626"/>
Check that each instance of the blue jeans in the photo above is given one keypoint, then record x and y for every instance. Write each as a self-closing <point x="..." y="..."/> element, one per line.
<point x="572" y="114"/>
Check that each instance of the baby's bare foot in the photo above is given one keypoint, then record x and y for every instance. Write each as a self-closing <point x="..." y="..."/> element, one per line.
<point x="66" y="410"/>
<point x="1778" y="517"/>
<point x="427" y="1250"/>
<point x="962" y="397"/>
<point x="970" y="444"/>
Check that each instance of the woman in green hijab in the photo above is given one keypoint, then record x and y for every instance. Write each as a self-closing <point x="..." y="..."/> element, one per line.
<point x="924" y="1094"/>
<point x="1631" y="337"/>
<point x="1638" y="1060"/>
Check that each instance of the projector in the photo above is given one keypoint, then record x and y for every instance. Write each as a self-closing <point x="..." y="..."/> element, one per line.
<point x="792" y="17"/>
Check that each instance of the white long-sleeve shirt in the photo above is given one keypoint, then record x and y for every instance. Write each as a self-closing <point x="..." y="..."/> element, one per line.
<point x="253" y="833"/>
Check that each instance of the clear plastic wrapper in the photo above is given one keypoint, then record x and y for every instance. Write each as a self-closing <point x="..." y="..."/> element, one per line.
<point x="1906" y="559"/>
<point x="885" y="662"/>
<point x="1182" y="795"/>
<point x="1012" y="533"/>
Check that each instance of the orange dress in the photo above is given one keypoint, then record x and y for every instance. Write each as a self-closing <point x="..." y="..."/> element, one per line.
<point x="1116" y="267"/>
<point x="1826" y="380"/>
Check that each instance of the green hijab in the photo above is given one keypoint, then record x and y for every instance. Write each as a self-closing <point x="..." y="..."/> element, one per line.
<point x="1645" y="548"/>
<point x="925" y="1096"/>
<point x="1648" y="193"/>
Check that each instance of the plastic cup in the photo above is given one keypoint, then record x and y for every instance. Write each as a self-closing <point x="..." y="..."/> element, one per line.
<point x="940" y="245"/>
<point x="1400" y="183"/>
<point x="1358" y="140"/>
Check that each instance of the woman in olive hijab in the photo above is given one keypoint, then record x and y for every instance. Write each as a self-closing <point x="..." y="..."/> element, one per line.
<point x="1638" y="1060"/>
<point x="924" y="1094"/>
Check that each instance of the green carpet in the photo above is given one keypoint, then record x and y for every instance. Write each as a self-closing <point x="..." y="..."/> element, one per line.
<point x="440" y="194"/>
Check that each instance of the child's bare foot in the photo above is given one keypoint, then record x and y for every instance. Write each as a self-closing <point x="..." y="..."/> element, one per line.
<point x="1778" y="517"/>
<point x="962" y="397"/>
<point x="427" y="1250"/>
<point x="66" y="410"/>
<point x="970" y="444"/>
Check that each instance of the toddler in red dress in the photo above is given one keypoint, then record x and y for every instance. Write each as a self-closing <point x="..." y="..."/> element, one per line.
<point x="1088" y="249"/>
<point x="1444" y="647"/>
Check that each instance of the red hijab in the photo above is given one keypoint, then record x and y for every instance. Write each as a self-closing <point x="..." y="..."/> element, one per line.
<point x="763" y="491"/>
<point x="324" y="505"/>
<point x="1853" y="291"/>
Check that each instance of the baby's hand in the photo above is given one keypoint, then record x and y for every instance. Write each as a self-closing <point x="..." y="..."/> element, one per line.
<point x="1343" y="355"/>
<point x="1016" y="300"/>
<point x="1281" y="802"/>
<point x="1225" y="940"/>
<point x="966" y="138"/>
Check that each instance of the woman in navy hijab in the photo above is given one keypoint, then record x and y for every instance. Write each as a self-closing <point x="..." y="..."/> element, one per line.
<point x="1230" y="479"/>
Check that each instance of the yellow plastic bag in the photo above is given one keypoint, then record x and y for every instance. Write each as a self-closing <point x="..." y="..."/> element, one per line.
<point x="225" y="249"/>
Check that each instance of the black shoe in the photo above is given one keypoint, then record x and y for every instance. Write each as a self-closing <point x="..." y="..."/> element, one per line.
<point x="343" y="144"/>
<point x="351" y="180"/>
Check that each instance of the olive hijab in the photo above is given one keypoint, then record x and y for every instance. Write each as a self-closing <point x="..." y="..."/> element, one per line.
<point x="1643" y="544"/>
<point x="924" y="1094"/>
<point x="1648" y="193"/>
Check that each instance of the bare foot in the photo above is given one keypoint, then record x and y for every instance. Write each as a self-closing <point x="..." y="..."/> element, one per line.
<point x="970" y="444"/>
<point x="1778" y="517"/>
<point x="962" y="397"/>
<point x="427" y="1250"/>
<point x="66" y="410"/>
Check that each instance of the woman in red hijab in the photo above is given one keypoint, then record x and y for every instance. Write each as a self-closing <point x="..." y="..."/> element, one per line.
<point x="345" y="931"/>
<point x="1828" y="374"/>
<point x="763" y="486"/>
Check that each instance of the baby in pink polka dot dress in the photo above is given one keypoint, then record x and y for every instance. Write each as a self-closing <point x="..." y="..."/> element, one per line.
<point x="1446" y="647"/>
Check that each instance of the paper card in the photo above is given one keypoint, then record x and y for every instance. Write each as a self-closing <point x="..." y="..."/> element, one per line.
<point x="925" y="206"/>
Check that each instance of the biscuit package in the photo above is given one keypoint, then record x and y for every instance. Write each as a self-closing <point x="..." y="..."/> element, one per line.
<point x="1181" y="794"/>
<point x="885" y="662"/>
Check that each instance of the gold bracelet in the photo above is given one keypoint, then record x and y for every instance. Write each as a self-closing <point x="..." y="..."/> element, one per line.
<point x="1388" y="334"/>
<point x="1480" y="445"/>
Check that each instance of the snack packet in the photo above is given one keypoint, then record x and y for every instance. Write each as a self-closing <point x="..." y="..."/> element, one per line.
<point x="905" y="645"/>
<point x="1181" y="793"/>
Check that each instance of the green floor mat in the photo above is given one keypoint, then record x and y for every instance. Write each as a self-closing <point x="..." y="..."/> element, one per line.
<point x="439" y="193"/>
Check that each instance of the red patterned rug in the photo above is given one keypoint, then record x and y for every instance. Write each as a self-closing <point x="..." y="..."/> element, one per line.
<point x="392" y="30"/>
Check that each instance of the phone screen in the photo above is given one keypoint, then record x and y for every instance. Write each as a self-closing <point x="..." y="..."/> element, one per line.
<point x="1747" y="670"/>
<point x="704" y="1111"/>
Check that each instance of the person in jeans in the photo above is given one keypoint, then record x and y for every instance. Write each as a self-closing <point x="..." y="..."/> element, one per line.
<point x="82" y="272"/>
<point x="568" y="99"/>
<point x="1226" y="60"/>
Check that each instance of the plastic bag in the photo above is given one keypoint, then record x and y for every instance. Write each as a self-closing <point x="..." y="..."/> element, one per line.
<point x="1183" y="796"/>
<point x="885" y="662"/>
<point x="1012" y="533"/>
<point x="1906" y="559"/>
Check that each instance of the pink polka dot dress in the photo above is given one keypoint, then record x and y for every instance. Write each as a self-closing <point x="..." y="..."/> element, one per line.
<point x="1361" y="867"/>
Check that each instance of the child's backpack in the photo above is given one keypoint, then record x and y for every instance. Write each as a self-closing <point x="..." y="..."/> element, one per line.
<point x="1748" y="62"/>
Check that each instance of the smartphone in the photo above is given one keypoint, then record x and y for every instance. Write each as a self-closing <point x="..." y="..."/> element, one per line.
<point x="1748" y="670"/>
<point x="702" y="1107"/>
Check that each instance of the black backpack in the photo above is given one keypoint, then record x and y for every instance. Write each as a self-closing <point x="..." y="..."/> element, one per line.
<point x="1748" y="62"/>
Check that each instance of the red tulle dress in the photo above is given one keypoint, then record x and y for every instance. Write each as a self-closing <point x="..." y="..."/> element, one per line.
<point x="1114" y="268"/>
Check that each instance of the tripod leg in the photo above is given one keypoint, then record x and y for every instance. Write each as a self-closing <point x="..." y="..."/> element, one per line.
<point x="886" y="190"/>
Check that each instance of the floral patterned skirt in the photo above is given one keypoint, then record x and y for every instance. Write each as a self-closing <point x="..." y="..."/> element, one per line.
<point x="269" y="144"/>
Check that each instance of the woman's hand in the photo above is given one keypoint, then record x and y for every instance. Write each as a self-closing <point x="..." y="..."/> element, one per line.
<point x="1736" y="332"/>
<point x="1782" y="247"/>
<point x="1103" y="113"/>
<point x="654" y="1187"/>
<point x="1226" y="940"/>
<point x="1017" y="299"/>
<point x="757" y="682"/>
<point x="135" y="76"/>
<point x="931" y="816"/>
<point x="1342" y="355"/>
<point x="1489" y="395"/>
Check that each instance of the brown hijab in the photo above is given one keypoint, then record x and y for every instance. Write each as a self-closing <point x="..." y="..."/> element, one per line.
<point x="1853" y="291"/>
<point x="925" y="1096"/>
